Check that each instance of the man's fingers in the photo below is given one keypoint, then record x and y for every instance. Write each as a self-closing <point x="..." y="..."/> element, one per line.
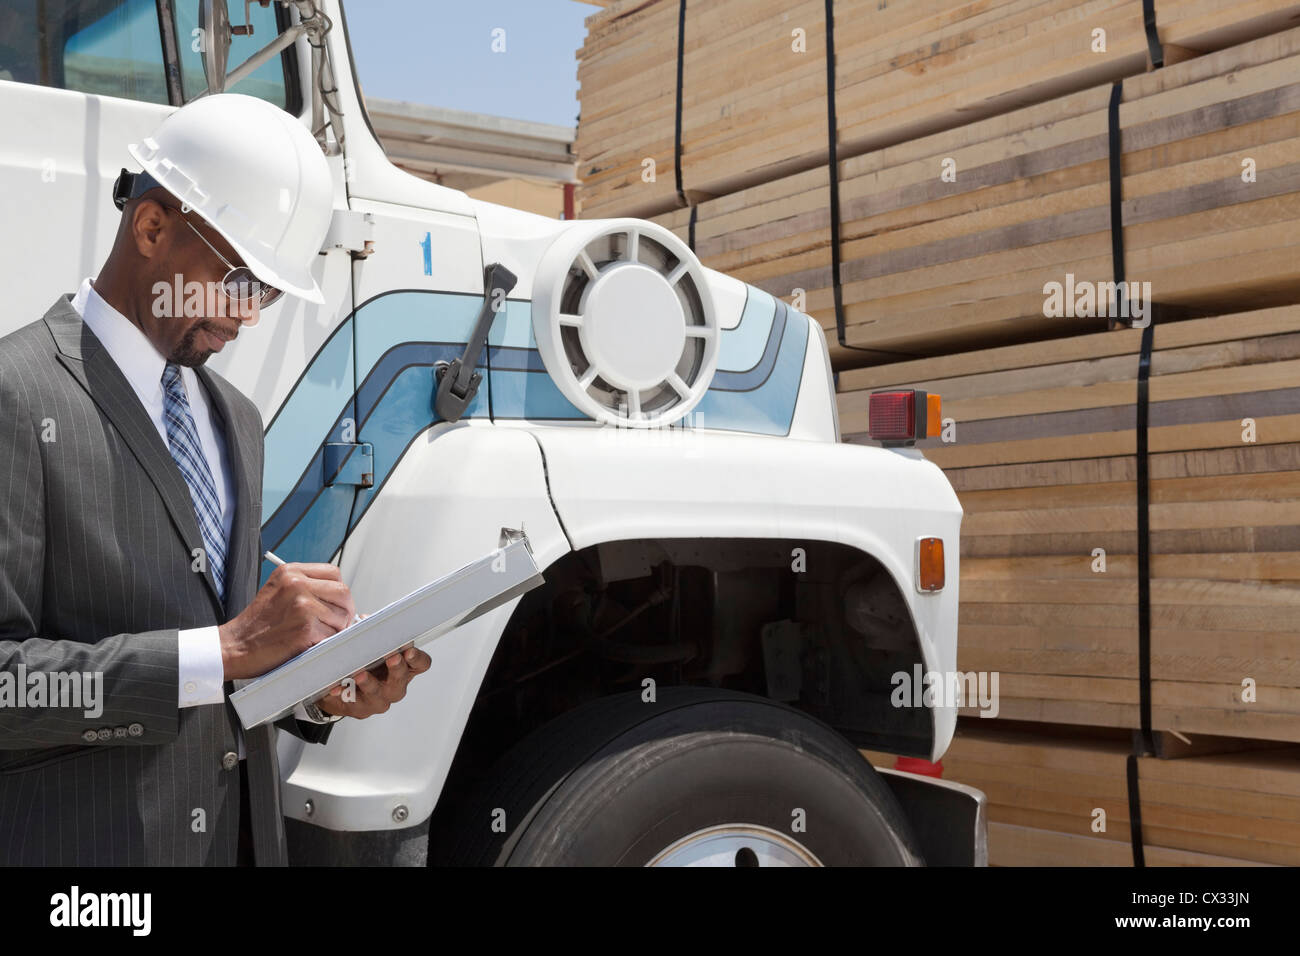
<point x="326" y="572"/>
<point x="372" y="697"/>
<point x="324" y="582"/>
<point x="394" y="687"/>
<point x="367" y="684"/>
<point x="337" y="690"/>
<point x="333" y="592"/>
<point x="376" y="692"/>
<point x="331" y="616"/>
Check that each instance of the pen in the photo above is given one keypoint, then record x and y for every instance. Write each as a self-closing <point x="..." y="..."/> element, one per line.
<point x="274" y="559"/>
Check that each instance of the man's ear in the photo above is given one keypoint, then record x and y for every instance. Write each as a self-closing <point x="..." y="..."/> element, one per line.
<point x="150" y="231"/>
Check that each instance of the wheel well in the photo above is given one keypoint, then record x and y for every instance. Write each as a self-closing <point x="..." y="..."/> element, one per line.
<point x="817" y="624"/>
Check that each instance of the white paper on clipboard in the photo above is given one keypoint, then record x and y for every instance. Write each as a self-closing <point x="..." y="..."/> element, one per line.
<point x="428" y="612"/>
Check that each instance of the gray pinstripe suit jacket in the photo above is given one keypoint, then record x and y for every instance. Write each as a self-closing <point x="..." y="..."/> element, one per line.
<point x="97" y="536"/>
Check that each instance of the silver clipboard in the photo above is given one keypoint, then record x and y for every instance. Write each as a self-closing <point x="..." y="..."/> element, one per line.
<point x="427" y="613"/>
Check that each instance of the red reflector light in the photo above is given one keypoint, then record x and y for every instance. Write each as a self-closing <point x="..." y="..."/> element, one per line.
<point x="891" y="416"/>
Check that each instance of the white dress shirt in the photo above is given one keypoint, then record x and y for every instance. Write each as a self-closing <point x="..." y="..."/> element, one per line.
<point x="200" y="667"/>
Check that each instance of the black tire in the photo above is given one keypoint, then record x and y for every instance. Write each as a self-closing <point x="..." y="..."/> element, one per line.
<point x="616" y="781"/>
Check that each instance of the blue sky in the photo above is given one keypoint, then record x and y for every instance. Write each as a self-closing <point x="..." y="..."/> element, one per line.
<point x="439" y="52"/>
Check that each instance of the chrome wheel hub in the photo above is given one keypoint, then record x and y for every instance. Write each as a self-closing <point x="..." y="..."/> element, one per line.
<point x="735" y="844"/>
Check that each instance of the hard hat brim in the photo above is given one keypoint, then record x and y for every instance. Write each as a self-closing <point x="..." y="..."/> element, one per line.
<point x="303" y="285"/>
<point x="298" y="282"/>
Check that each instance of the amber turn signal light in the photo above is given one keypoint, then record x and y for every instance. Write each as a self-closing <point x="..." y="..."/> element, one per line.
<point x="930" y="564"/>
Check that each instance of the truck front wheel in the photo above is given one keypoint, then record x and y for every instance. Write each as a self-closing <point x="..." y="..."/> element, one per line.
<point x="698" y="777"/>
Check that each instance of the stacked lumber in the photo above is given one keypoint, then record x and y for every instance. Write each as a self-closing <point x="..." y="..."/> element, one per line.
<point x="1044" y="465"/>
<point x="754" y="104"/>
<point x="1044" y="793"/>
<point x="974" y="177"/>
<point x="740" y="73"/>
<point x="932" y="266"/>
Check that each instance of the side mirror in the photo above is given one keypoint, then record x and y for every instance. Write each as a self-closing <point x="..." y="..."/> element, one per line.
<point x="214" y="21"/>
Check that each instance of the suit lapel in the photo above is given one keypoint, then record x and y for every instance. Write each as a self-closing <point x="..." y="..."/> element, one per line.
<point x="245" y="529"/>
<point x="91" y="365"/>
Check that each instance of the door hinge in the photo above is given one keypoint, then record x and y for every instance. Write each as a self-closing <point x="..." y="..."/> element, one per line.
<point x="352" y="232"/>
<point x="349" y="463"/>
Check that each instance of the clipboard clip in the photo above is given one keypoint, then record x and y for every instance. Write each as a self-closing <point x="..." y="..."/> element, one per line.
<point x="511" y="535"/>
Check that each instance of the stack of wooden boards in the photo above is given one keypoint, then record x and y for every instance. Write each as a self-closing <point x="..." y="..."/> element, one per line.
<point x="1211" y="210"/>
<point x="974" y="174"/>
<point x="1050" y="796"/>
<point x="1044" y="465"/>
<point x="754" y="103"/>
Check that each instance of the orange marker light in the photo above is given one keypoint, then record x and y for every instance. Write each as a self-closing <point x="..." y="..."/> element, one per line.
<point x="930" y="561"/>
<point x="933" y="417"/>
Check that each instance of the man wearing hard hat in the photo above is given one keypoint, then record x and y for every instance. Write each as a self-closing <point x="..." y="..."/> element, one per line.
<point x="130" y="506"/>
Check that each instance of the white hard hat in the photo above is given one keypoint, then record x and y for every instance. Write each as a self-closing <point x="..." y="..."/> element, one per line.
<point x="256" y="175"/>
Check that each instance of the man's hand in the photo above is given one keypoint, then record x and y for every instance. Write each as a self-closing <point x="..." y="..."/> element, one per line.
<point x="377" y="689"/>
<point x="299" y="606"/>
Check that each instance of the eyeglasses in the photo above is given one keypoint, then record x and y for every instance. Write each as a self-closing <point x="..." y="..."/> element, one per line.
<point x="239" y="283"/>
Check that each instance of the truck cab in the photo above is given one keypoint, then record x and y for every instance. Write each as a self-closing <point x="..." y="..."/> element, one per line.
<point x="730" y="591"/>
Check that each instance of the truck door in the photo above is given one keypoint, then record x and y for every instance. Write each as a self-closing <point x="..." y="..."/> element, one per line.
<point x="417" y="297"/>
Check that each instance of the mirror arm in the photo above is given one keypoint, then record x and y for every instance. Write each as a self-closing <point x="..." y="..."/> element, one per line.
<point x="313" y="24"/>
<point x="272" y="49"/>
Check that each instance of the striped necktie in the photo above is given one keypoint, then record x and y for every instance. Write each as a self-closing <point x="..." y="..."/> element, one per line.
<point x="187" y="452"/>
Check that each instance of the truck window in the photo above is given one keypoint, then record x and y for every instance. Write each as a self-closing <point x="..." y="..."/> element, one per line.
<point x="115" y="48"/>
<point x="273" y="81"/>
<point x="110" y="47"/>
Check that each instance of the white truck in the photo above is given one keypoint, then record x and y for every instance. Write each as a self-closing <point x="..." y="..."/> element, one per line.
<point x="729" y="589"/>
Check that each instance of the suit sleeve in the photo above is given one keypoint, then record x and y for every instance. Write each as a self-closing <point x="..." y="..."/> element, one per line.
<point x="125" y="681"/>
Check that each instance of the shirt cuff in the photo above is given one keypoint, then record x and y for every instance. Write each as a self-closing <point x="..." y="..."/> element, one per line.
<point x="202" y="673"/>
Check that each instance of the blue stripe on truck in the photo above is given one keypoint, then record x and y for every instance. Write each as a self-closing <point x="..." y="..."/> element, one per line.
<point x="399" y="336"/>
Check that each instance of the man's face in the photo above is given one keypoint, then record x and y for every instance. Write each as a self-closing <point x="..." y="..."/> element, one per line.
<point x="189" y="317"/>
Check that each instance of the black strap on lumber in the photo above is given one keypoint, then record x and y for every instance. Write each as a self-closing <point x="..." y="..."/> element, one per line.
<point x="677" y="122"/>
<point x="1154" y="46"/>
<point x="1135" y="813"/>
<point x="1142" y="409"/>
<point x="1143" y="742"/>
<point x="1116" y="190"/>
<point x="833" y="175"/>
<point x="677" y="135"/>
<point x="833" y="171"/>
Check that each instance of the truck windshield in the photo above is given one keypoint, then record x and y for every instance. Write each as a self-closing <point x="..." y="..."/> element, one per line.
<point x="115" y="48"/>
